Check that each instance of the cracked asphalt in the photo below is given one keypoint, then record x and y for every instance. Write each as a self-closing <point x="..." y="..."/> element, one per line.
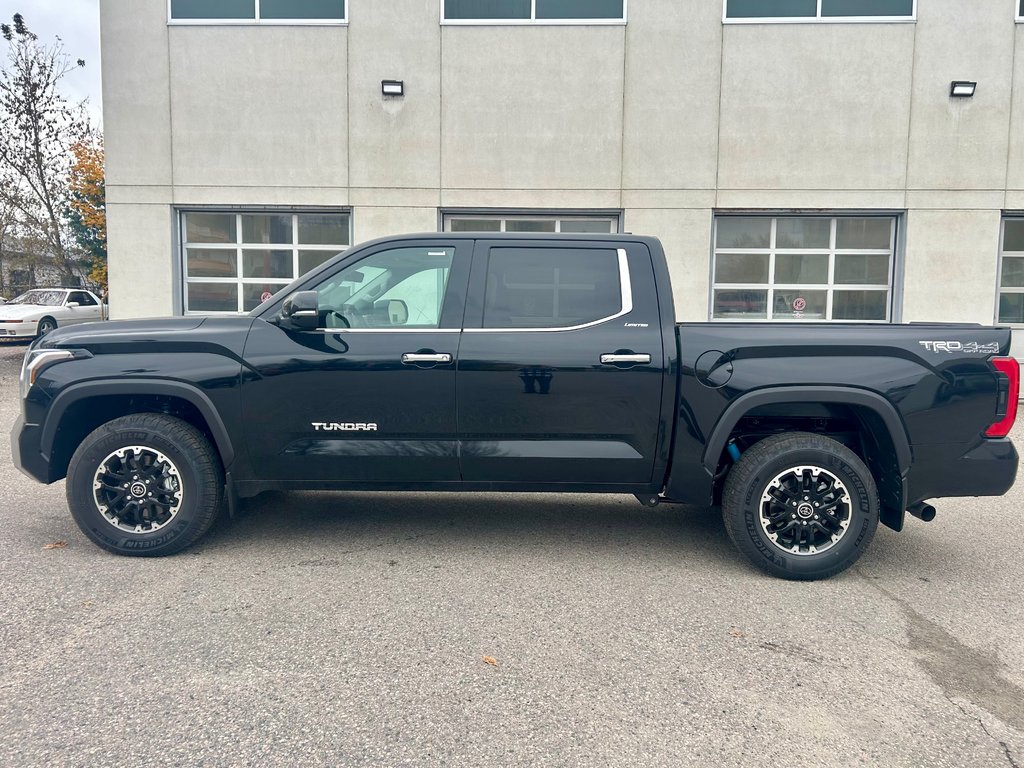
<point x="350" y="629"/>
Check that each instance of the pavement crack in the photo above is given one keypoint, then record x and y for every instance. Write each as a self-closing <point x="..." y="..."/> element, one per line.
<point x="1006" y="747"/>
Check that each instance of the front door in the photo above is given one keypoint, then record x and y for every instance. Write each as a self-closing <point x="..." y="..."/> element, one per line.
<point x="369" y="397"/>
<point x="561" y="365"/>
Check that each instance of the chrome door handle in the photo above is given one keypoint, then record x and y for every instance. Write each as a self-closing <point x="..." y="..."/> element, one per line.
<point x="410" y="357"/>
<point x="613" y="359"/>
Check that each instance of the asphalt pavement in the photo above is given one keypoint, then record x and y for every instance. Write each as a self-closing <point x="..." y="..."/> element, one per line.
<point x="351" y="629"/>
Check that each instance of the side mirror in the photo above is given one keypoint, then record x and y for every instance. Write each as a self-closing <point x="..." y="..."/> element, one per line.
<point x="301" y="310"/>
<point x="72" y="304"/>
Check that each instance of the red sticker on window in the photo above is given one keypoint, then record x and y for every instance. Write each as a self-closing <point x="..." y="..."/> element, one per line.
<point x="266" y="296"/>
<point x="799" y="305"/>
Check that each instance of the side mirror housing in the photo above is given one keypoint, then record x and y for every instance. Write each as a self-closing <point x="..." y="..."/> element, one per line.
<point x="72" y="304"/>
<point x="301" y="310"/>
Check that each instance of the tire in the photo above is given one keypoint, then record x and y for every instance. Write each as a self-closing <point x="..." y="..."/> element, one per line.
<point x="174" y="481"/>
<point x="46" y="325"/>
<point x="812" y="494"/>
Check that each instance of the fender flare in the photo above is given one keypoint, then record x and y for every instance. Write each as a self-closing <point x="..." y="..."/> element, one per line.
<point x="178" y="389"/>
<point x="775" y="395"/>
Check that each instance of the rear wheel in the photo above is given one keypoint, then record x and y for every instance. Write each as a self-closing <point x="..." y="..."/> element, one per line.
<point x="800" y="506"/>
<point x="145" y="485"/>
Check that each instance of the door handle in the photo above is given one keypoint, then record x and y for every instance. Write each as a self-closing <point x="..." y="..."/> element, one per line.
<point x="411" y="358"/>
<point x="615" y="359"/>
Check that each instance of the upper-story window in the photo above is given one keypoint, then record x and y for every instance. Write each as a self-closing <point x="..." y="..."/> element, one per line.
<point x="820" y="10"/>
<point x="534" y="11"/>
<point x="258" y="11"/>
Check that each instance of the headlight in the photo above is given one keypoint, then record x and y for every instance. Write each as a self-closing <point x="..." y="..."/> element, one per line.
<point x="36" y="360"/>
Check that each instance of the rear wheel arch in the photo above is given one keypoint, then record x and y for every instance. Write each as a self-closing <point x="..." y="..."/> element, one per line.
<point x="885" y="446"/>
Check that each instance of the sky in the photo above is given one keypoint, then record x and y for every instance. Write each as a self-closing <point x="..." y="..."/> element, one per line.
<point x="77" y="23"/>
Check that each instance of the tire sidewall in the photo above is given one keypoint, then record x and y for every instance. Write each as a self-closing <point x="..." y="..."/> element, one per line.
<point x="82" y="500"/>
<point x="863" y="515"/>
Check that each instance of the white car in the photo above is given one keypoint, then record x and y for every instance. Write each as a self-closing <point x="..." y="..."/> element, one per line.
<point x="41" y="310"/>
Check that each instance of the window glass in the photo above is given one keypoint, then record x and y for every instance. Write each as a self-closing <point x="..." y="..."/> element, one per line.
<point x="213" y="9"/>
<point x="1013" y="273"/>
<point x="535" y="225"/>
<point x="401" y="287"/>
<point x="210" y="228"/>
<point x="550" y="287"/>
<point x="212" y="297"/>
<point x="801" y="268"/>
<point x="745" y="304"/>
<point x="328" y="10"/>
<point x="582" y="226"/>
<point x="864" y="234"/>
<point x="474" y="225"/>
<point x="867" y="7"/>
<point x="803" y="233"/>
<point x="84" y="299"/>
<point x="276" y="229"/>
<point x="254" y="294"/>
<point x="310" y="260"/>
<point x="778" y="284"/>
<point x="487" y="9"/>
<point x="267" y="264"/>
<point x="1011" y="308"/>
<point x="740" y="232"/>
<point x="579" y="9"/>
<point x="538" y="222"/>
<point x="1013" y="234"/>
<point x="796" y="304"/>
<point x="763" y="9"/>
<point x="859" y="305"/>
<point x="323" y="229"/>
<point x="741" y="268"/>
<point x="862" y="269"/>
<point x="210" y="262"/>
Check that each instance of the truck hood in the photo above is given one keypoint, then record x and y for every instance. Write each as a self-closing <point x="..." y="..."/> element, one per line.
<point x="138" y="332"/>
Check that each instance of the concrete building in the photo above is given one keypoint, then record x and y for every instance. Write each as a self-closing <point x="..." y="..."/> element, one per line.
<point x="798" y="158"/>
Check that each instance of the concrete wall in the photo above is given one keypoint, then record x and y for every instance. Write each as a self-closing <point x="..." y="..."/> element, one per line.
<point x="668" y="118"/>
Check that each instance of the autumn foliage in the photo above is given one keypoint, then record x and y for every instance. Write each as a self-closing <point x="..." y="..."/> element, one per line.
<point x="87" y="212"/>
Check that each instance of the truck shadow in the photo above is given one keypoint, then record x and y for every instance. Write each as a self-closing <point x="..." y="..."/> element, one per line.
<point x="339" y="523"/>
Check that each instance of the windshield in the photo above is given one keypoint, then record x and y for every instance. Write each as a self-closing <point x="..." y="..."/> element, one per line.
<point x="40" y="298"/>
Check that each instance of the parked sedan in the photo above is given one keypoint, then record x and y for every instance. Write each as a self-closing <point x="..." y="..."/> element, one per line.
<point x="40" y="310"/>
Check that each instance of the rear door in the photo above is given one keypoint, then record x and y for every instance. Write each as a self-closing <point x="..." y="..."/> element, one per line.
<point x="561" y="365"/>
<point x="87" y="311"/>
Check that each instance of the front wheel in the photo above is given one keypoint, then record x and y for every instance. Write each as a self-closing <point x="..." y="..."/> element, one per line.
<point x="800" y="506"/>
<point x="46" y="325"/>
<point x="145" y="484"/>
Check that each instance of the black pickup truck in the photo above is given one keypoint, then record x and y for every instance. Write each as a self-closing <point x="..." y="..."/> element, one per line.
<point x="518" y="363"/>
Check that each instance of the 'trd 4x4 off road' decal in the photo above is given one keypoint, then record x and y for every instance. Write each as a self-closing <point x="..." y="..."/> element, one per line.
<point x="967" y="347"/>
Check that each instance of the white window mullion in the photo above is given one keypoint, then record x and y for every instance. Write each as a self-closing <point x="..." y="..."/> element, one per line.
<point x="238" y="255"/>
<point x="295" y="245"/>
<point x="533" y="10"/>
<point x="258" y="11"/>
<point x="819" y="7"/>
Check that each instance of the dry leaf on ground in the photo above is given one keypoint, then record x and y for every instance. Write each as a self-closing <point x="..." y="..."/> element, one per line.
<point x="491" y="660"/>
<point x="55" y="545"/>
<point x="737" y="633"/>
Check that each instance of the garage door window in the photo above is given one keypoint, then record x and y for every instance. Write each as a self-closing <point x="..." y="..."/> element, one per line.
<point x="232" y="262"/>
<point x="820" y="10"/>
<point x="599" y="224"/>
<point x="1011" y="273"/>
<point x="803" y="268"/>
<point x="536" y="11"/>
<point x="257" y="12"/>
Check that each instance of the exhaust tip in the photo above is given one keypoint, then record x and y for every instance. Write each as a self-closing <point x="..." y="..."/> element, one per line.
<point x="923" y="512"/>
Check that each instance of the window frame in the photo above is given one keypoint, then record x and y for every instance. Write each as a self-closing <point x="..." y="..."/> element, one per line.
<point x="1007" y="216"/>
<point x="818" y="18"/>
<point x="506" y="214"/>
<point x="625" y="289"/>
<point x="533" y="21"/>
<point x="256" y="21"/>
<point x="1020" y="12"/>
<point x="892" y="289"/>
<point x="238" y="247"/>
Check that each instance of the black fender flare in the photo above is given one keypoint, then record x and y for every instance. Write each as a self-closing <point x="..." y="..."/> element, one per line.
<point x="178" y="389"/>
<point x="812" y="394"/>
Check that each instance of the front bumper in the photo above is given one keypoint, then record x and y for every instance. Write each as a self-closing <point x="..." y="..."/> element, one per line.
<point x="24" y="330"/>
<point x="25" y="450"/>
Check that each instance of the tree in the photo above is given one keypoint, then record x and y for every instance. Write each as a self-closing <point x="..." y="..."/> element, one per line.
<point x="87" y="212"/>
<point x="37" y="131"/>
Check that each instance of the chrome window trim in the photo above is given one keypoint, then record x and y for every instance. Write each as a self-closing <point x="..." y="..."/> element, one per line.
<point x="626" y="297"/>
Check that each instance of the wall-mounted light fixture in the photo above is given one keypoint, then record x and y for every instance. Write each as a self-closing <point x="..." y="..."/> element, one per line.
<point x="962" y="89"/>
<point x="392" y="87"/>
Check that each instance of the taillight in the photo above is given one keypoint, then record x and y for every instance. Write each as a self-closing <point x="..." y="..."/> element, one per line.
<point x="1008" y="377"/>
